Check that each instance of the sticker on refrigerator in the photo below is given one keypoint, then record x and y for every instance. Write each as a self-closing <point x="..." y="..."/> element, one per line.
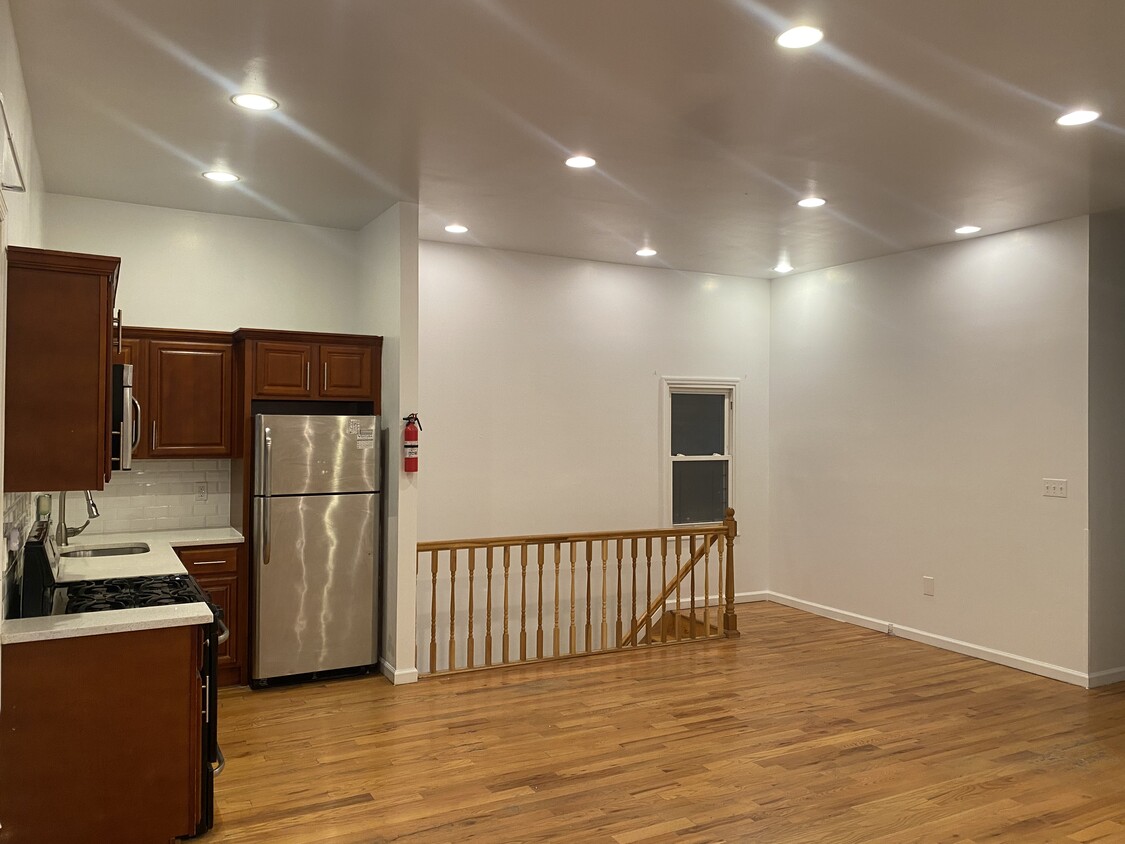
<point x="353" y="426"/>
<point x="365" y="438"/>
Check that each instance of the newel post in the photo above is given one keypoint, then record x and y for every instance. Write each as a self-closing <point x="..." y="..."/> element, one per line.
<point x="730" y="620"/>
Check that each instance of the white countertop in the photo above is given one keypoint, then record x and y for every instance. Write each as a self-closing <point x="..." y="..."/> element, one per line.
<point x="160" y="560"/>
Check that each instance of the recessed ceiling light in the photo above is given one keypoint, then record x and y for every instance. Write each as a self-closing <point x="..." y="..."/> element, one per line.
<point x="812" y="202"/>
<point x="799" y="36"/>
<point x="220" y="176"/>
<point x="456" y="228"/>
<point x="783" y="266"/>
<point x="1077" y="118"/>
<point x="646" y="252"/>
<point x="580" y="162"/>
<point x="967" y="230"/>
<point x="254" y="102"/>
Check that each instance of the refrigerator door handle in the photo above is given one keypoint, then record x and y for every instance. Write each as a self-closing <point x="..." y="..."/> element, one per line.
<point x="267" y="465"/>
<point x="262" y="531"/>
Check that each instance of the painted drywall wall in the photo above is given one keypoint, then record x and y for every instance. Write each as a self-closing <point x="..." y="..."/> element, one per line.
<point x="186" y="269"/>
<point x="388" y="302"/>
<point x="540" y="392"/>
<point x="916" y="403"/>
<point x="1107" y="447"/>
<point x="25" y="210"/>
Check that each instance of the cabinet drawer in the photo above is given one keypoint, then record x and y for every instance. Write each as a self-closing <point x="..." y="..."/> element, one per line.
<point x="209" y="559"/>
<point x="224" y="592"/>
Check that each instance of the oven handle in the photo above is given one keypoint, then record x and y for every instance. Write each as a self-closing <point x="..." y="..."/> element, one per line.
<point x="222" y="760"/>
<point x="224" y="633"/>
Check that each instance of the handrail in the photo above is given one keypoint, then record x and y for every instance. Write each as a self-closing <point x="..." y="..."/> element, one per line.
<point x="514" y="599"/>
<point x="547" y="538"/>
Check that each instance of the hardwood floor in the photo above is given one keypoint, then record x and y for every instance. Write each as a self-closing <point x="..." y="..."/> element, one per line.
<point x="803" y="730"/>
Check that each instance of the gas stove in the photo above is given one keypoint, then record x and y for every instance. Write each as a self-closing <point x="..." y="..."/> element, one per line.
<point x="120" y="593"/>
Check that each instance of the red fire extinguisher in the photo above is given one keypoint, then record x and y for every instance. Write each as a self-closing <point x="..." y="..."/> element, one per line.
<point x="410" y="442"/>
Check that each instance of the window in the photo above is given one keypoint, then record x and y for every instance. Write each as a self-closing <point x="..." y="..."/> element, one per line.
<point x="698" y="430"/>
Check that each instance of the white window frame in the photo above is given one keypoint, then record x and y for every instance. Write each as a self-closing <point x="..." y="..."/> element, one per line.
<point x="682" y="384"/>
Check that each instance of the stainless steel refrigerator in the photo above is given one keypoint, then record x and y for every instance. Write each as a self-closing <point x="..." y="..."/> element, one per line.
<point x="316" y="541"/>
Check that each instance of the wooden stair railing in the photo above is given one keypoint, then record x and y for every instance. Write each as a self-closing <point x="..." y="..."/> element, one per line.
<point x="575" y="606"/>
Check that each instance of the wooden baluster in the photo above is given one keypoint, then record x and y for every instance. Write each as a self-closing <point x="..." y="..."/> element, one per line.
<point x="679" y="583"/>
<point x="488" y="609"/>
<point x="433" y="610"/>
<point x="506" y="641"/>
<point x="720" y="544"/>
<point x="523" y="604"/>
<point x="663" y="586"/>
<point x="709" y="539"/>
<point x="603" y="643"/>
<point x="589" y="585"/>
<point x="618" y="631"/>
<point x="471" y="646"/>
<point x="633" y="590"/>
<point x="452" y="608"/>
<point x="558" y="599"/>
<point x="691" y="597"/>
<point x="730" y="619"/>
<point x="573" y="598"/>
<point x="539" y="629"/>
<point x="648" y="590"/>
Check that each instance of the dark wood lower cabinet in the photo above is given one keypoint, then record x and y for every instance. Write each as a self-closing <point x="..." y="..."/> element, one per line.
<point x="219" y="571"/>
<point x="100" y="738"/>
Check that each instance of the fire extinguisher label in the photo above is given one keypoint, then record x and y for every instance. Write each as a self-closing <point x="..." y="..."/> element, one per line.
<point x="410" y="449"/>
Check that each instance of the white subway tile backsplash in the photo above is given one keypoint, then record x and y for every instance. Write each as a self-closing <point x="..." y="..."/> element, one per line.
<point x="160" y="495"/>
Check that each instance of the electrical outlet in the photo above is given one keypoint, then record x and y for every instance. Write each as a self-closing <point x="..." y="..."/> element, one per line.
<point x="927" y="585"/>
<point x="201" y="491"/>
<point x="1054" y="487"/>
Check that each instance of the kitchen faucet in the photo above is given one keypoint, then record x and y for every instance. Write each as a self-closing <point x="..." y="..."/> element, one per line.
<point x="64" y="533"/>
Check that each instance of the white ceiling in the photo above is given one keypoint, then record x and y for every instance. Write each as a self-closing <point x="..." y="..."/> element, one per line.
<point x="911" y="118"/>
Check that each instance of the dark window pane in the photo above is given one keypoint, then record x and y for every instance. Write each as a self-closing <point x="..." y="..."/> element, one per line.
<point x="697" y="423"/>
<point x="699" y="491"/>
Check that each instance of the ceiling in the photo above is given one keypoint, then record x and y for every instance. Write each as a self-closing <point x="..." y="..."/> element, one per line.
<point x="912" y="117"/>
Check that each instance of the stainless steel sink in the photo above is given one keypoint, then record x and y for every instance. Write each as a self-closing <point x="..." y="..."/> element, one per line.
<point x="109" y="550"/>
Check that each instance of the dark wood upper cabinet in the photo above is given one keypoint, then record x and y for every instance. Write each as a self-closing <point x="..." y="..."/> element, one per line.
<point x="60" y="333"/>
<point x="283" y="370"/>
<point x="189" y="399"/>
<point x="297" y="365"/>
<point x="345" y="372"/>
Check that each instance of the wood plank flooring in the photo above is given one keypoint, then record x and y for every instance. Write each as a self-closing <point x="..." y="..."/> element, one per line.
<point x="803" y="730"/>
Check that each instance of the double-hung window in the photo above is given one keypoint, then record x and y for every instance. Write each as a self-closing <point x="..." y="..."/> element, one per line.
<point x="699" y="425"/>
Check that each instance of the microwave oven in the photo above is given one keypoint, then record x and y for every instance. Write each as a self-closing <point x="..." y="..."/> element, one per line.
<point x="126" y="430"/>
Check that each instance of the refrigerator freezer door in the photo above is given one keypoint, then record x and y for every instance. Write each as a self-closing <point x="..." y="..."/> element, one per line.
<point x="298" y="455"/>
<point x="316" y="591"/>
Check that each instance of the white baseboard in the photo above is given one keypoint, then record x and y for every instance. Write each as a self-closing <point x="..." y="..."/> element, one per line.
<point x="1032" y="666"/>
<point x="829" y="612"/>
<point x="1107" y="677"/>
<point x="751" y="597"/>
<point x="398" y="676"/>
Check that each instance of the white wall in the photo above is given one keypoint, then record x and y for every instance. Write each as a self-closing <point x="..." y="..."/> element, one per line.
<point x="186" y="269"/>
<point x="1107" y="447"/>
<point x="25" y="211"/>
<point x="389" y="305"/>
<point x="917" y="401"/>
<point x="540" y="392"/>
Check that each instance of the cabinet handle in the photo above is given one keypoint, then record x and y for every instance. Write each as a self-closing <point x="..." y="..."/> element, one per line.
<point x="153" y="441"/>
<point x="208" y="563"/>
<point x="326" y="376"/>
<point x="119" y="324"/>
<point x="207" y="699"/>
<point x="308" y="366"/>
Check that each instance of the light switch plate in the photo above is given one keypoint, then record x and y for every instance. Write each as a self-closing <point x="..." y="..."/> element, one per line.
<point x="1054" y="487"/>
<point x="927" y="585"/>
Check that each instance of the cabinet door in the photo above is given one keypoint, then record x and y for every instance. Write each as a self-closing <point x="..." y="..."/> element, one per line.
<point x="345" y="372"/>
<point x="189" y="398"/>
<point x="133" y="352"/>
<point x="283" y="370"/>
<point x="223" y="589"/>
